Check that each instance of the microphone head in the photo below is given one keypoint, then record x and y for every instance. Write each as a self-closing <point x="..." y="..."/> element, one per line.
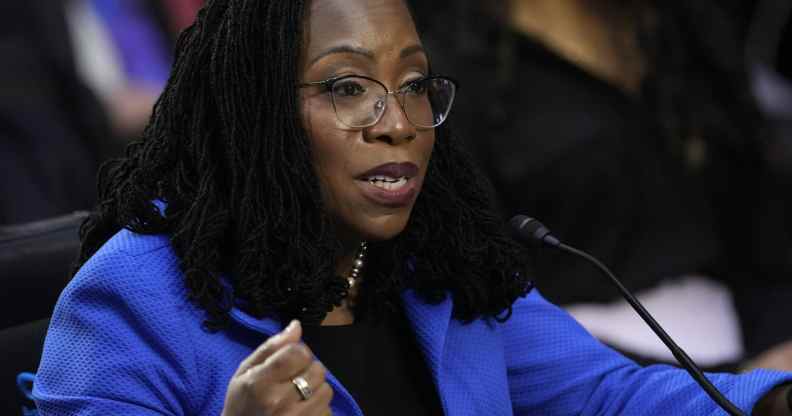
<point x="529" y="230"/>
<point x="519" y="222"/>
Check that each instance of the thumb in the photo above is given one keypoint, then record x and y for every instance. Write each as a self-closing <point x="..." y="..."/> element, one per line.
<point x="289" y="335"/>
<point x="292" y="333"/>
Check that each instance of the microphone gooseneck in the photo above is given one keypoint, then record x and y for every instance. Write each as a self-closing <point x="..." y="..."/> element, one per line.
<point x="528" y="230"/>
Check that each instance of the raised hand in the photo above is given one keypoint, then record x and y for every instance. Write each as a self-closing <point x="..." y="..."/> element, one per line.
<point x="281" y="377"/>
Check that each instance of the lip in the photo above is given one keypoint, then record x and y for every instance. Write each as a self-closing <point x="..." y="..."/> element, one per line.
<point x="391" y="198"/>
<point x="393" y="169"/>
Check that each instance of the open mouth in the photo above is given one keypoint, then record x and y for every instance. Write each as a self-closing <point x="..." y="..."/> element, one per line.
<point x="388" y="183"/>
<point x="391" y="184"/>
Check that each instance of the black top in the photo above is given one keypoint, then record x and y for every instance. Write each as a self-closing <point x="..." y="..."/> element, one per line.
<point x="379" y="364"/>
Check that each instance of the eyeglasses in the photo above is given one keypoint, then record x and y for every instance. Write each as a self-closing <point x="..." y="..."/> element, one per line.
<point x="360" y="101"/>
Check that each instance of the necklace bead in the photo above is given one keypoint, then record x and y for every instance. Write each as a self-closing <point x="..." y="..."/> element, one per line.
<point x="357" y="265"/>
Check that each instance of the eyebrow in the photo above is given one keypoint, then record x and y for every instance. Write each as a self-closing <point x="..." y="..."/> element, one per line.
<point x="410" y="50"/>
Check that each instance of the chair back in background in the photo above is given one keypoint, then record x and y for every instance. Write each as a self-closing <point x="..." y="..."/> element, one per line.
<point x="35" y="261"/>
<point x="35" y="264"/>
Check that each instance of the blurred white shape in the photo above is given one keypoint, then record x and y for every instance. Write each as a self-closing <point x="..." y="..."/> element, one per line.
<point x="95" y="55"/>
<point x="697" y="312"/>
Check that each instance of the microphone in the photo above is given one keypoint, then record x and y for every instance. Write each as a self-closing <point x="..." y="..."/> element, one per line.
<point x="528" y="230"/>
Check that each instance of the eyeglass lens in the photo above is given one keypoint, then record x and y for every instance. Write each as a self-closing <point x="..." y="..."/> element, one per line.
<point x="359" y="102"/>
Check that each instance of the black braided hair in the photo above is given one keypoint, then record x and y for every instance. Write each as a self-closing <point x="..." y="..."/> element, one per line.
<point x="226" y="153"/>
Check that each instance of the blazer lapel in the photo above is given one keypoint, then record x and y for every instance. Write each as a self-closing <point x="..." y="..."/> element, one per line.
<point x="466" y="361"/>
<point x="430" y="324"/>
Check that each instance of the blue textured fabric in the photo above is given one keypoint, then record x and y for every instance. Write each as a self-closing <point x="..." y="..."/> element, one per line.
<point x="124" y="340"/>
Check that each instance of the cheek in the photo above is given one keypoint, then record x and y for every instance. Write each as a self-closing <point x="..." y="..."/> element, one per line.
<point x="328" y="149"/>
<point x="430" y="144"/>
<point x="316" y="124"/>
<point x="426" y="146"/>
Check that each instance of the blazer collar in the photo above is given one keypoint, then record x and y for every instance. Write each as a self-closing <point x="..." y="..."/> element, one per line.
<point x="266" y="326"/>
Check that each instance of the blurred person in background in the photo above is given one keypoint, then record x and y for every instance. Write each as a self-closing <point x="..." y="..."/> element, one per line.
<point x="124" y="52"/>
<point x="769" y="56"/>
<point x="78" y="80"/>
<point x="52" y="127"/>
<point x="629" y="128"/>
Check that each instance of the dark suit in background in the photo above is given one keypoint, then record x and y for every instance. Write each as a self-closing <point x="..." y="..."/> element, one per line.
<point x="53" y="130"/>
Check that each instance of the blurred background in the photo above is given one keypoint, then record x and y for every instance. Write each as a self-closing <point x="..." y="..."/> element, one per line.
<point x="655" y="135"/>
<point x="78" y="80"/>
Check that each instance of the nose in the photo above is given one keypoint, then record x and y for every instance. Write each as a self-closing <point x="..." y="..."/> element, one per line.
<point x="393" y="127"/>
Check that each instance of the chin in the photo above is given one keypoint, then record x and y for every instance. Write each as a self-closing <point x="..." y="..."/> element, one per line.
<point x="382" y="228"/>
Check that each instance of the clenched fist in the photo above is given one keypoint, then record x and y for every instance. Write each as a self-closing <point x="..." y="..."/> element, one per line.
<point x="266" y="382"/>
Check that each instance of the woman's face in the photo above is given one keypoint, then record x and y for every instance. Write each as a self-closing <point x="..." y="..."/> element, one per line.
<point x="370" y="177"/>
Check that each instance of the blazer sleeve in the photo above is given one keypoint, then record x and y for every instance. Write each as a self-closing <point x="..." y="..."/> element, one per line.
<point x="555" y="367"/>
<point x="116" y="344"/>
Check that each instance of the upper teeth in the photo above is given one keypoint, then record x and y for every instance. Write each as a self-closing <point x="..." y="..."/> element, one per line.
<point x="387" y="182"/>
<point x="381" y="178"/>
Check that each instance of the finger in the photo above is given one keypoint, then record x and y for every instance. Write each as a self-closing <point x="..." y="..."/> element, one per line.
<point x="275" y="396"/>
<point x="319" y="403"/>
<point x="275" y="399"/>
<point x="314" y="375"/>
<point x="291" y="334"/>
<point x="285" y="364"/>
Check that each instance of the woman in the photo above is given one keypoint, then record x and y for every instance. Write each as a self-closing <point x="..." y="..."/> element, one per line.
<point x="278" y="180"/>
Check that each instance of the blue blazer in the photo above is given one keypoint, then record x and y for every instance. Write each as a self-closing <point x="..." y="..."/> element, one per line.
<point x="124" y="340"/>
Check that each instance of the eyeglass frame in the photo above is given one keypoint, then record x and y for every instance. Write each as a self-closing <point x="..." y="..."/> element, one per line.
<point x="327" y="84"/>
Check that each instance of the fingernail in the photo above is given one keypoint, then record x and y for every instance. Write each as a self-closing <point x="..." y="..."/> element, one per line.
<point x="292" y="326"/>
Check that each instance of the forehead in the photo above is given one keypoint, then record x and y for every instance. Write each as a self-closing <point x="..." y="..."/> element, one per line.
<point x="377" y="25"/>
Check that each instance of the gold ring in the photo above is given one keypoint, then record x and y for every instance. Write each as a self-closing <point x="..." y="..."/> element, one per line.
<point x="302" y="387"/>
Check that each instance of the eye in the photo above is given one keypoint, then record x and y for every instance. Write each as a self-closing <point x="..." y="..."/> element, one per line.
<point x="416" y="87"/>
<point x="348" y="88"/>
